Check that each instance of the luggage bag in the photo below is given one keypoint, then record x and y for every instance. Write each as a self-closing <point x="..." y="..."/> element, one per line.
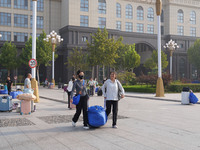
<point x="15" y="93"/>
<point x="3" y="91"/>
<point x="5" y="103"/>
<point x="25" y="107"/>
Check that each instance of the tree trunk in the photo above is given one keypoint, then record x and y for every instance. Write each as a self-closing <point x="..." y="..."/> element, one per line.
<point x="38" y="76"/>
<point x="103" y="72"/>
<point x="92" y="72"/>
<point x="8" y="72"/>
<point x="97" y="76"/>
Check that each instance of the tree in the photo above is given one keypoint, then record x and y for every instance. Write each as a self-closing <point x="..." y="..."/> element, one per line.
<point x="194" y="54"/>
<point x="103" y="50"/>
<point x="152" y="63"/>
<point x="78" y="59"/>
<point x="43" y="52"/>
<point x="8" y="56"/>
<point x="129" y="58"/>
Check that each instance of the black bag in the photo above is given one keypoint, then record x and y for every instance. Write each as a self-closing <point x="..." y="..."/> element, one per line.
<point x="100" y="93"/>
<point x="186" y="89"/>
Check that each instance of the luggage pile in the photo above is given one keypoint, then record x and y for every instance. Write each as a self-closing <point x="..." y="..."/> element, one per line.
<point x="188" y="97"/>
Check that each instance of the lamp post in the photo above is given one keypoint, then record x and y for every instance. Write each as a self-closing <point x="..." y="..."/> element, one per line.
<point x="54" y="38"/>
<point x="159" y="85"/>
<point x="0" y="35"/>
<point x="171" y="45"/>
<point x="34" y="83"/>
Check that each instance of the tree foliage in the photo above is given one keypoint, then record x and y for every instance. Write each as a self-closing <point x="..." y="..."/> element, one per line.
<point x="194" y="54"/>
<point x="152" y="63"/>
<point x="8" y="56"/>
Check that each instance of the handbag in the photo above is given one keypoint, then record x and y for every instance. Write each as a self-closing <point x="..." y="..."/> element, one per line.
<point x="193" y="99"/>
<point x="119" y="91"/>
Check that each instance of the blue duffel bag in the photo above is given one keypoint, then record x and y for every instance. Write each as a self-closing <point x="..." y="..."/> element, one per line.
<point x="96" y="116"/>
<point x="193" y="99"/>
<point x="3" y="91"/>
<point x="15" y="93"/>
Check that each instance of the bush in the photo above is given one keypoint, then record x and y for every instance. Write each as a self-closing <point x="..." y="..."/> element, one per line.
<point x="177" y="88"/>
<point x="139" y="88"/>
<point x="127" y="78"/>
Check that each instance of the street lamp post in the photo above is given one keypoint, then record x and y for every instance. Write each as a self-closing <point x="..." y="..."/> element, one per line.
<point x="54" y="38"/>
<point x="159" y="85"/>
<point x="0" y="35"/>
<point x="171" y="45"/>
<point x="34" y="83"/>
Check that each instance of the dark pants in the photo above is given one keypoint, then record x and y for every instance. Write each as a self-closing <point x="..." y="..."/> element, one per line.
<point x="114" y="105"/>
<point x="82" y="105"/>
<point x="69" y="97"/>
<point x="92" y="90"/>
<point x="9" y="90"/>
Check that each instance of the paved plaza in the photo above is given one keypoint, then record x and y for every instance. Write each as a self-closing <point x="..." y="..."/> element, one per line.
<point x="145" y="123"/>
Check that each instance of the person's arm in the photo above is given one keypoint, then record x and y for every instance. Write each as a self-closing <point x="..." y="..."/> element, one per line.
<point x="72" y="92"/>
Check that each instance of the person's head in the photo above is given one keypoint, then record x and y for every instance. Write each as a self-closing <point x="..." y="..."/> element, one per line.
<point x="80" y="74"/>
<point x="73" y="79"/>
<point x="8" y="77"/>
<point x="91" y="79"/>
<point x="95" y="79"/>
<point x="113" y="75"/>
<point x="74" y="76"/>
<point x="29" y="76"/>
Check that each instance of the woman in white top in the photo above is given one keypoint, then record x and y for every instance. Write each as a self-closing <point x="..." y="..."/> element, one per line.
<point x="69" y="90"/>
<point x="111" y="90"/>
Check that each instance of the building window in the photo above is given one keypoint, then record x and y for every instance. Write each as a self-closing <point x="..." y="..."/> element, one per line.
<point x="102" y="6"/>
<point x="20" y="20"/>
<point x="181" y="46"/>
<point x="40" y="5"/>
<point x="21" y="4"/>
<point x="193" y="31"/>
<point x="129" y="27"/>
<point x="180" y="16"/>
<point x="162" y="16"/>
<point x="84" y="21"/>
<point x="118" y="10"/>
<point x="40" y="22"/>
<point x="180" y="30"/>
<point x="129" y="11"/>
<point x="140" y="13"/>
<point x="6" y="36"/>
<point x="193" y="17"/>
<point x="5" y="19"/>
<point x="140" y="27"/>
<point x="84" y="5"/>
<point x="5" y="3"/>
<point x="118" y="25"/>
<point x="150" y="29"/>
<point x="162" y="30"/>
<point x="20" y="37"/>
<point x="84" y="38"/>
<point x="102" y="22"/>
<point x="150" y="15"/>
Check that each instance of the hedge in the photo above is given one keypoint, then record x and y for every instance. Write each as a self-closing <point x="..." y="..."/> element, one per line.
<point x="177" y="88"/>
<point x="139" y="88"/>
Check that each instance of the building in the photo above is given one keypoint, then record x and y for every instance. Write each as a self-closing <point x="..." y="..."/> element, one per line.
<point x="135" y="20"/>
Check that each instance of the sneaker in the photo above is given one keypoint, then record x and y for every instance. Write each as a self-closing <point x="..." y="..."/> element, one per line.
<point x="86" y="127"/>
<point x="115" y="126"/>
<point x="73" y="124"/>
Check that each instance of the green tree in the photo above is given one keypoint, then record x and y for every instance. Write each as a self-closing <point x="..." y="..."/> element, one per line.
<point x="43" y="52"/>
<point x="194" y="54"/>
<point x="152" y="63"/>
<point x="102" y="50"/>
<point x="8" y="56"/>
<point x="78" y="59"/>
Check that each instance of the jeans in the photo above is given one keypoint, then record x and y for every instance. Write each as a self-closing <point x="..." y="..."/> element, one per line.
<point x="82" y="105"/>
<point x="114" y="105"/>
<point x="69" y="97"/>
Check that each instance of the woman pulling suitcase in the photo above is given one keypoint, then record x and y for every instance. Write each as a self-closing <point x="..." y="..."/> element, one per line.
<point x="81" y="88"/>
<point x="112" y="91"/>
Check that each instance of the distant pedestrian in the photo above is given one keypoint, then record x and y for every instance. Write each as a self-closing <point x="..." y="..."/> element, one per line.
<point x="69" y="90"/>
<point x="91" y="85"/>
<point x="80" y="86"/>
<point x="9" y="84"/>
<point x="112" y="88"/>
<point x="45" y="83"/>
<point x="95" y="84"/>
<point x="27" y="82"/>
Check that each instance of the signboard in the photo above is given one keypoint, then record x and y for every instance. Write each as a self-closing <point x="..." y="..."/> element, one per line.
<point x="32" y="63"/>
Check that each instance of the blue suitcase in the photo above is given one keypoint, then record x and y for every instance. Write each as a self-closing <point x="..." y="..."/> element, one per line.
<point x="5" y="103"/>
<point x="15" y="93"/>
<point x="3" y="91"/>
<point x="96" y="116"/>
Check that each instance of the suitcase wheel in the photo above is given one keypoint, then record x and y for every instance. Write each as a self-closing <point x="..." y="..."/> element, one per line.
<point x="21" y="113"/>
<point x="29" y="113"/>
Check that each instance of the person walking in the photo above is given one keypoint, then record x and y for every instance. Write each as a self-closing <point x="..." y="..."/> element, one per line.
<point x="112" y="91"/>
<point x="95" y="84"/>
<point x="69" y="90"/>
<point x="80" y="86"/>
<point x="91" y="85"/>
<point x="9" y="84"/>
<point x="27" y="82"/>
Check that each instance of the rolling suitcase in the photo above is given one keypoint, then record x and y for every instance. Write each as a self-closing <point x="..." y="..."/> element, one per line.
<point x="25" y="107"/>
<point x="5" y="103"/>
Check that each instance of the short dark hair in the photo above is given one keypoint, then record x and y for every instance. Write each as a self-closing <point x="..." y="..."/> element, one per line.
<point x="73" y="79"/>
<point x="113" y="72"/>
<point x="8" y="76"/>
<point x="78" y="72"/>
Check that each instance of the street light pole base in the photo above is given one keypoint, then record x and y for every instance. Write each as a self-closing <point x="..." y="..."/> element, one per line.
<point x="159" y="88"/>
<point x="53" y="81"/>
<point x="34" y="85"/>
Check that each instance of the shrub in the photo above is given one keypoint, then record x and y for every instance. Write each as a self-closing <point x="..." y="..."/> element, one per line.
<point x="178" y="87"/>
<point x="127" y="78"/>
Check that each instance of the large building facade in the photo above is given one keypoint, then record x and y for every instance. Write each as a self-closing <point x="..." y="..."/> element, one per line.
<point x="134" y="20"/>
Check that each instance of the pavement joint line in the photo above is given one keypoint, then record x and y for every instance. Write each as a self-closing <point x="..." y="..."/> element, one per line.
<point x="61" y="101"/>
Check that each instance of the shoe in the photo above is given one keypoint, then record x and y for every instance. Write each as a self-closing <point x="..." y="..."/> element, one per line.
<point x="86" y="127"/>
<point x="115" y="126"/>
<point x="73" y="124"/>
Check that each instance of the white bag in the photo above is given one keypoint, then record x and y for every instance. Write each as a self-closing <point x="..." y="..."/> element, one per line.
<point x="185" y="98"/>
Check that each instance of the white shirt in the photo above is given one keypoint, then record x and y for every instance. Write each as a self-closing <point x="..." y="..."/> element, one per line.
<point x="70" y="86"/>
<point x="111" y="92"/>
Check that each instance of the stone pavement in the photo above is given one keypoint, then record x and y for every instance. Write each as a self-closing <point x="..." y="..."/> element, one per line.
<point x="145" y="123"/>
